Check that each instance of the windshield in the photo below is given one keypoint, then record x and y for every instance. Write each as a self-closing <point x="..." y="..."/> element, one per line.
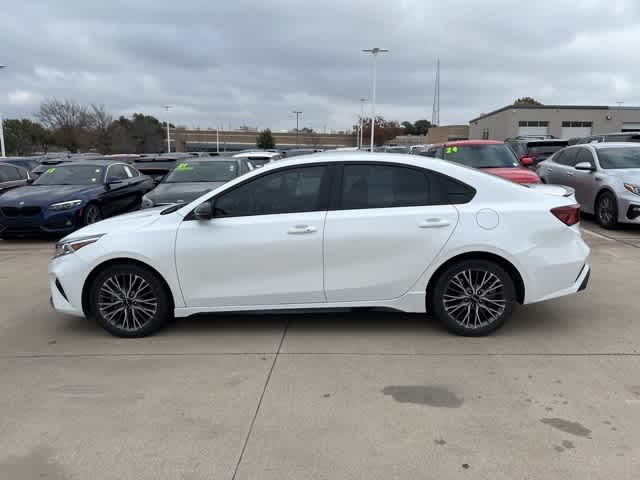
<point x="481" y="156"/>
<point x="617" y="158"/>
<point x="208" y="171"/>
<point x="71" y="175"/>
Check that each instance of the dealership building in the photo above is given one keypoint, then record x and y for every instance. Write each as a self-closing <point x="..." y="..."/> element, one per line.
<point x="561" y="121"/>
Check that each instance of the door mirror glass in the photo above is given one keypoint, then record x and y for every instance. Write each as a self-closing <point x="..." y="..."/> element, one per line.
<point x="204" y="211"/>
<point x="586" y="166"/>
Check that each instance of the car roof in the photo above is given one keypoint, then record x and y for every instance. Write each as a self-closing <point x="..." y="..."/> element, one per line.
<point x="92" y="163"/>
<point x="256" y="153"/>
<point x="610" y="145"/>
<point x="7" y="164"/>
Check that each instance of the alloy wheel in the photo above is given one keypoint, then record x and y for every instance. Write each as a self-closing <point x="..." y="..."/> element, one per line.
<point x="127" y="301"/>
<point x="606" y="210"/>
<point x="474" y="298"/>
<point x="92" y="214"/>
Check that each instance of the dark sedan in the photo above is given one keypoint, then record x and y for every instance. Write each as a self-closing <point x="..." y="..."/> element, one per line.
<point x="194" y="177"/>
<point x="71" y="195"/>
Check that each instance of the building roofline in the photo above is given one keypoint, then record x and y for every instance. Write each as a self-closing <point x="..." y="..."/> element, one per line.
<point x="551" y="107"/>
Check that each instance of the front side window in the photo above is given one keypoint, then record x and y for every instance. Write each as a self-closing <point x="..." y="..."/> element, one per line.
<point x="286" y="191"/>
<point x="71" y="175"/>
<point x="567" y="157"/>
<point x="118" y="171"/>
<point x="584" y="156"/>
<point x="383" y="186"/>
<point x="619" y="158"/>
<point x="10" y="174"/>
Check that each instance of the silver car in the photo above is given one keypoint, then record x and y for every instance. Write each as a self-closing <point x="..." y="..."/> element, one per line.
<point x="605" y="176"/>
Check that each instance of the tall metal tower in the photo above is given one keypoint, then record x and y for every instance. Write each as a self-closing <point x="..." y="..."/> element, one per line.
<point x="435" y="114"/>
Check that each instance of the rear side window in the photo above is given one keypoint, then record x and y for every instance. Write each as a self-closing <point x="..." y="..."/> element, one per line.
<point x="383" y="186"/>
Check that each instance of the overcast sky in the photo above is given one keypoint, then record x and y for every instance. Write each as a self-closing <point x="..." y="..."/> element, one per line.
<point x="254" y="61"/>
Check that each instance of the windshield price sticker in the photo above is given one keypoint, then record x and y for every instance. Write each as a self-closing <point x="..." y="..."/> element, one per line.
<point x="184" y="166"/>
<point x="51" y="170"/>
<point x="450" y="150"/>
<point x="232" y="168"/>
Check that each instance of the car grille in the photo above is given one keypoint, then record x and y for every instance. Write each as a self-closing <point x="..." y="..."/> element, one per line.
<point x="20" y="211"/>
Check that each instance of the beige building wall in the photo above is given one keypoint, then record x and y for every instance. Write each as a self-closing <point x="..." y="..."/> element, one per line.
<point x="505" y="122"/>
<point x="445" y="133"/>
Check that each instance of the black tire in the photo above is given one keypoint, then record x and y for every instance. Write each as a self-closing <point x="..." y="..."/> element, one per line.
<point x="607" y="210"/>
<point x="91" y="214"/>
<point x="477" y="313"/>
<point x="143" y="314"/>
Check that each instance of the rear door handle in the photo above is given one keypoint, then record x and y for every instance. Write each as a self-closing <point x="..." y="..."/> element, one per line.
<point x="301" y="229"/>
<point x="434" y="223"/>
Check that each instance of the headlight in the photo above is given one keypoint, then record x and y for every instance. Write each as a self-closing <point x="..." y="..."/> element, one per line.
<point x="147" y="202"/>
<point x="632" y="188"/>
<point x="65" y="205"/>
<point x="65" y="247"/>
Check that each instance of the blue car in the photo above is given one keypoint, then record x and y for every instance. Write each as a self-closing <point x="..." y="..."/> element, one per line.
<point x="71" y="195"/>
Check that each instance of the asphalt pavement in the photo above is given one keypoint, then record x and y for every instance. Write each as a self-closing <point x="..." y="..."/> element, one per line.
<point x="367" y="395"/>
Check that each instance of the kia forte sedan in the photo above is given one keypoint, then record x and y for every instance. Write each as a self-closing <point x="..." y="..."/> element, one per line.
<point x="332" y="230"/>
<point x="605" y="177"/>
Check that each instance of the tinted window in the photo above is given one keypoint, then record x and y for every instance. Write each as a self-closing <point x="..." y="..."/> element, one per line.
<point x="71" y="175"/>
<point x="291" y="190"/>
<point x="118" y="171"/>
<point x="10" y="174"/>
<point x="584" y="156"/>
<point x="381" y="186"/>
<point x="617" y="158"/>
<point x="567" y="157"/>
<point x="132" y="172"/>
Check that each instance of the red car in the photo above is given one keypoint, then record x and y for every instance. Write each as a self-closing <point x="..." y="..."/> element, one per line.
<point x="492" y="156"/>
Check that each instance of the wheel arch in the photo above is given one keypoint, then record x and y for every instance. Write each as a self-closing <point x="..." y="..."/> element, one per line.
<point x="605" y="189"/>
<point x="513" y="272"/>
<point x="120" y="261"/>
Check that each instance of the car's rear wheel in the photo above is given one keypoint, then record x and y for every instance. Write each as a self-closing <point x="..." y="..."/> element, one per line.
<point x="607" y="210"/>
<point x="91" y="214"/>
<point x="129" y="301"/>
<point x="473" y="297"/>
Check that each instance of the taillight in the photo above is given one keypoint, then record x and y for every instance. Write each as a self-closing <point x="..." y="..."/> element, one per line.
<point x="569" y="215"/>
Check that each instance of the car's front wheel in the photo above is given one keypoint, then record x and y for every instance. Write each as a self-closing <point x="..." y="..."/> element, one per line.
<point x="473" y="297"/>
<point x="91" y="214"/>
<point x="607" y="210"/>
<point x="129" y="300"/>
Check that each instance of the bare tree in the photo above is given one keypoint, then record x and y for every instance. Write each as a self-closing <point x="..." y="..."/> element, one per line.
<point x="69" y="121"/>
<point x="102" y="128"/>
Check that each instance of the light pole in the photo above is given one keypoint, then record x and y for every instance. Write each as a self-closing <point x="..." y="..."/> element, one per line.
<point x="167" y="107"/>
<point x="374" y="52"/>
<point x="297" y="123"/>
<point x="2" y="127"/>
<point x="362" y="100"/>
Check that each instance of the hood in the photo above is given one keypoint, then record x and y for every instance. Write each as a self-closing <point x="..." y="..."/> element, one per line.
<point x="515" y="174"/>
<point x="181" y="192"/>
<point x="44" y="195"/>
<point x="623" y="175"/>
<point x="129" y="222"/>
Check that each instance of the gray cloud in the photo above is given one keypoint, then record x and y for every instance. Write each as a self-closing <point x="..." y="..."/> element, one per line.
<point x="243" y="61"/>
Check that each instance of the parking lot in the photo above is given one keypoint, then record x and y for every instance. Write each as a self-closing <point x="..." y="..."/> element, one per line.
<point x="554" y="394"/>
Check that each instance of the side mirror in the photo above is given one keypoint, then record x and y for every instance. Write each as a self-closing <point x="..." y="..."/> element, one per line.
<point x="585" y="166"/>
<point x="526" y="160"/>
<point x="204" y="211"/>
<point x="30" y="180"/>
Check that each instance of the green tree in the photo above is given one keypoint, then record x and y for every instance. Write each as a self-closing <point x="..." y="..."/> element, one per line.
<point x="527" y="101"/>
<point x="421" y="127"/>
<point x="265" y="139"/>
<point x="24" y="137"/>
<point x="409" y="129"/>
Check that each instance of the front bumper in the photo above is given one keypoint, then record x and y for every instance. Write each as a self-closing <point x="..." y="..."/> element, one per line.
<point x="46" y="221"/>
<point x="628" y="207"/>
<point x="67" y="276"/>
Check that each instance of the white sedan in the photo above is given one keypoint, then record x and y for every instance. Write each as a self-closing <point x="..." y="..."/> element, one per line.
<point x="349" y="229"/>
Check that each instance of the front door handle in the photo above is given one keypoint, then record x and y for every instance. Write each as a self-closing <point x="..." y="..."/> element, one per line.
<point x="301" y="229"/>
<point x="569" y="174"/>
<point x="434" y="223"/>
